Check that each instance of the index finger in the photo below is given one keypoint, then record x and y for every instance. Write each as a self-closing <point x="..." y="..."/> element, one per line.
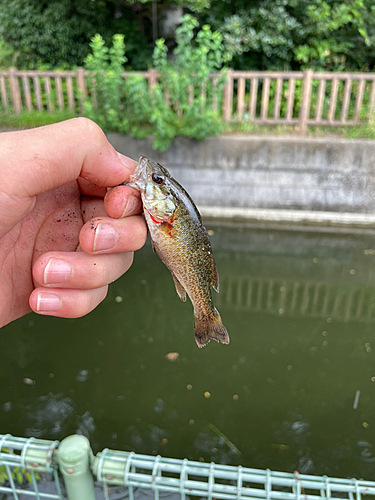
<point x="51" y="156"/>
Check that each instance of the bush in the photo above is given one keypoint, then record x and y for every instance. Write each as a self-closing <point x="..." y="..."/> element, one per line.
<point x="106" y="86"/>
<point x="184" y="102"/>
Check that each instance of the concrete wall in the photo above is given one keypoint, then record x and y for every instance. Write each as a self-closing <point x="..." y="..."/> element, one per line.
<point x="333" y="175"/>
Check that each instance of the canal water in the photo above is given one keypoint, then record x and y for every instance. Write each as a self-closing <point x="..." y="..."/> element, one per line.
<point x="294" y="390"/>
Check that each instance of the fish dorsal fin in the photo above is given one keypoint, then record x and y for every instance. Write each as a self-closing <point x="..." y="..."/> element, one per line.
<point x="181" y="292"/>
<point x="214" y="275"/>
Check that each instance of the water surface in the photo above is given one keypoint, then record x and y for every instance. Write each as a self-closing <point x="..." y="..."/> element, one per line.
<point x="294" y="390"/>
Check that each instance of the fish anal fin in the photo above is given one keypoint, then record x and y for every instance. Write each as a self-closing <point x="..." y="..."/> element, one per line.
<point x="209" y="326"/>
<point x="181" y="292"/>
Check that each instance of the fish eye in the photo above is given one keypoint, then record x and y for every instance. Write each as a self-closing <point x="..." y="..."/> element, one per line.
<point x="157" y="179"/>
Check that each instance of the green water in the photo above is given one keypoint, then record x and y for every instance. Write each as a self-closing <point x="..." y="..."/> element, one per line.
<point x="294" y="390"/>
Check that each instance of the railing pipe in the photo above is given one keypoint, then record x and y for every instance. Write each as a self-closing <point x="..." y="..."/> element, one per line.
<point x="74" y="457"/>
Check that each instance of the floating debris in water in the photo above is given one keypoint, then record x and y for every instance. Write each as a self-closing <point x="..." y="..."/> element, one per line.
<point x="164" y="441"/>
<point x="172" y="356"/>
<point x="369" y="251"/>
<point x="82" y="376"/>
<point x="143" y="282"/>
<point x="29" y="381"/>
<point x="189" y="387"/>
<point x="118" y="299"/>
<point x="51" y="375"/>
<point x="352" y="271"/>
<point x="210" y="232"/>
<point x="229" y="443"/>
<point x="207" y="395"/>
<point x="7" y="406"/>
<point x="372" y="379"/>
<point x="324" y="334"/>
<point x="367" y="347"/>
<point x="235" y="397"/>
<point x="289" y="367"/>
<point x="280" y="447"/>
<point x="191" y="422"/>
<point x="315" y="260"/>
<point x="365" y="425"/>
<point x="356" y="399"/>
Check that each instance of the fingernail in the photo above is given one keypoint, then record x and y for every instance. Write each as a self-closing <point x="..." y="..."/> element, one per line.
<point x="47" y="302"/>
<point x="105" y="237"/>
<point x="131" y="205"/>
<point x="127" y="162"/>
<point x="57" y="271"/>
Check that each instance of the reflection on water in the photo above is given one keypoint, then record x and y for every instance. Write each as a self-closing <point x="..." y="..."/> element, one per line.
<point x="295" y="389"/>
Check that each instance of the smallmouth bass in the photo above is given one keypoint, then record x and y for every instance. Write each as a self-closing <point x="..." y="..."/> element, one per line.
<point x="180" y="239"/>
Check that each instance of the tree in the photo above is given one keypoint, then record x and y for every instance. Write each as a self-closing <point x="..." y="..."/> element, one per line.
<point x="57" y="33"/>
<point x="290" y="34"/>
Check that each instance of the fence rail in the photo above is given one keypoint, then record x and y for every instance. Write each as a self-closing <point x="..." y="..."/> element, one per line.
<point x="139" y="474"/>
<point x="296" y="98"/>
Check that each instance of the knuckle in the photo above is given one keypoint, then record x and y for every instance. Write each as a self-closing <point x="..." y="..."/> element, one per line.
<point x="88" y="126"/>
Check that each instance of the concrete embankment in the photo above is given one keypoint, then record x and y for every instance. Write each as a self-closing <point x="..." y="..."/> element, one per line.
<point x="280" y="179"/>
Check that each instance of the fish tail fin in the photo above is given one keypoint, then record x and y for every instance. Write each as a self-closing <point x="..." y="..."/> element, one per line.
<point x="209" y="326"/>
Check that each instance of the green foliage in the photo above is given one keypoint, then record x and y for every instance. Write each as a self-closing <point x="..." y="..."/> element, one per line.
<point x="57" y="33"/>
<point x="107" y="84"/>
<point x="19" y="474"/>
<point x="290" y="34"/>
<point x="261" y="34"/>
<point x="182" y="101"/>
<point x="8" y="56"/>
<point x="328" y="26"/>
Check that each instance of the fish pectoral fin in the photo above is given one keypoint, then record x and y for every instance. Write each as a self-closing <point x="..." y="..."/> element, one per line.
<point x="214" y="275"/>
<point x="153" y="245"/>
<point x="181" y="292"/>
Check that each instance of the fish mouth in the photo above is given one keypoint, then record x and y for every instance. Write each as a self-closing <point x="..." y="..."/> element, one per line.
<point x="138" y="179"/>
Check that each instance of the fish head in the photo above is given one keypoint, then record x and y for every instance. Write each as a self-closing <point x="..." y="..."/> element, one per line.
<point x="156" y="186"/>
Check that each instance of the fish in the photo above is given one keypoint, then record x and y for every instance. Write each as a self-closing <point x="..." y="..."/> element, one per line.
<point x="181" y="241"/>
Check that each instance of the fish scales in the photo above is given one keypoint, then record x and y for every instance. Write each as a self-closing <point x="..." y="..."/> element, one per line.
<point x="180" y="239"/>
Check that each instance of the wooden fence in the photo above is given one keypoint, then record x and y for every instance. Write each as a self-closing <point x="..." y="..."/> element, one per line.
<point x="263" y="97"/>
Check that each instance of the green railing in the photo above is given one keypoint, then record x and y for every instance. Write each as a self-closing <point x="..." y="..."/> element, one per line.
<point x="79" y="468"/>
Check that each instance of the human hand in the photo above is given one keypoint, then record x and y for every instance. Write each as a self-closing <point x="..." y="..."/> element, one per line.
<point x="59" y="250"/>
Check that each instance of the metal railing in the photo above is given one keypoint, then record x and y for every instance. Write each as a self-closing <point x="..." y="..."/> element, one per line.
<point x="296" y="98"/>
<point x="137" y="473"/>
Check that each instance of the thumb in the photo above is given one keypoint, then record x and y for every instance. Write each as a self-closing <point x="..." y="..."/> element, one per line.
<point x="37" y="160"/>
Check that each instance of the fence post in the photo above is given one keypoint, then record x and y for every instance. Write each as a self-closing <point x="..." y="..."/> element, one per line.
<point x="152" y="79"/>
<point x="82" y="90"/>
<point x="228" y="97"/>
<point x="15" y="91"/>
<point x="74" y="457"/>
<point x="305" y="101"/>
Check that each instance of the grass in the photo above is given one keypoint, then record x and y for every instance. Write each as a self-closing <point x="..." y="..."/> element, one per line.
<point x="33" y="119"/>
<point x="359" y="132"/>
